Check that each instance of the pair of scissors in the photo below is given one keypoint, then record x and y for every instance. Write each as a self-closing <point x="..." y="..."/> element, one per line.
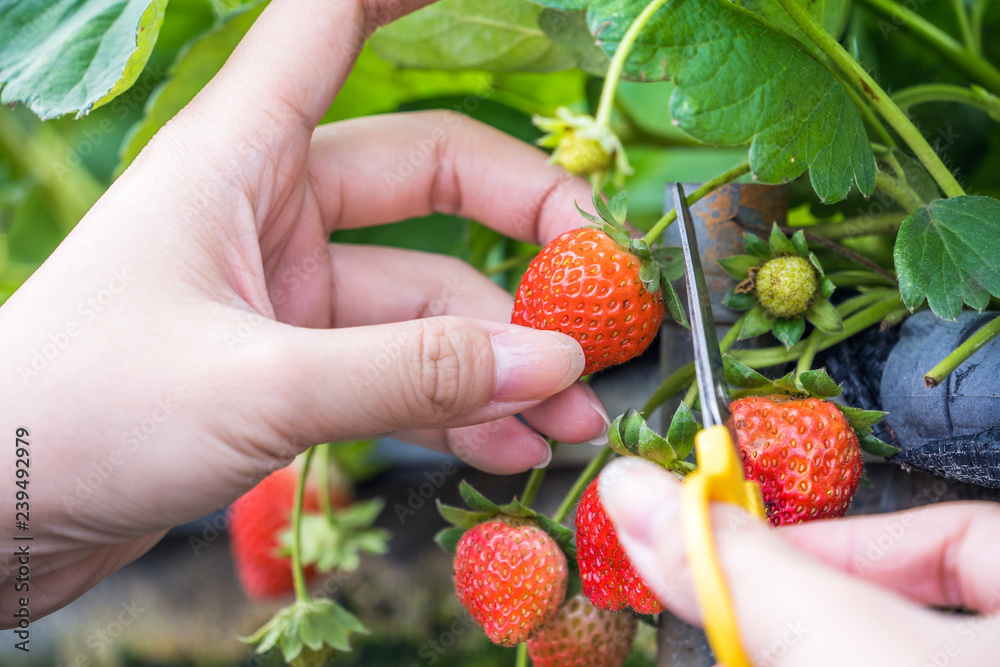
<point x="720" y="471"/>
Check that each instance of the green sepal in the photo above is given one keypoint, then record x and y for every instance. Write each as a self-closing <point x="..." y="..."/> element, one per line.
<point x="309" y="624"/>
<point x="673" y="302"/>
<point x="800" y="243"/>
<point x="743" y="376"/>
<point x="787" y="385"/>
<point x="738" y="266"/>
<point x="650" y="275"/>
<point x="826" y="288"/>
<point x="640" y="249"/>
<point x="618" y="208"/>
<point x="779" y="243"/>
<point x="682" y="431"/>
<point x="589" y="216"/>
<point x="789" y="331"/>
<point x="862" y="420"/>
<point x="876" y="447"/>
<point x="738" y="301"/>
<point x="619" y="236"/>
<point x="814" y="260"/>
<point x="819" y="384"/>
<point x="476" y="500"/>
<point x="757" y="322"/>
<point x="600" y="206"/>
<point x="671" y="261"/>
<point x="756" y="246"/>
<point x="337" y="542"/>
<point x="824" y="316"/>
<point x="448" y="538"/>
<point x="462" y="518"/>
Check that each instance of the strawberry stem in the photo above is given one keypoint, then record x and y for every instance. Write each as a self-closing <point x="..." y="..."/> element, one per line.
<point x="585" y="477"/>
<point x="522" y="655"/>
<point x="323" y="481"/>
<point x="708" y="188"/>
<point x="974" y="343"/>
<point x="298" y="576"/>
<point x="614" y="73"/>
<point x="535" y="480"/>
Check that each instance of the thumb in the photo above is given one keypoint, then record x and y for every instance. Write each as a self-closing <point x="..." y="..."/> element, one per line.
<point x="791" y="610"/>
<point x="437" y="372"/>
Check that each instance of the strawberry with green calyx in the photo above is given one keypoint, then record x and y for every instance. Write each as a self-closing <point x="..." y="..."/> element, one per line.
<point x="803" y="451"/>
<point x="581" y="635"/>
<point x="630" y="435"/>
<point x="610" y="581"/>
<point x="512" y="566"/>
<point x="584" y="147"/>
<point x="307" y="632"/>
<point x="782" y="285"/>
<point x="600" y="286"/>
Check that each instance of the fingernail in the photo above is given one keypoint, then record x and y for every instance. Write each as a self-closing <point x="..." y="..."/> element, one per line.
<point x="595" y="403"/>
<point x="640" y="497"/>
<point x="533" y="364"/>
<point x="546" y="457"/>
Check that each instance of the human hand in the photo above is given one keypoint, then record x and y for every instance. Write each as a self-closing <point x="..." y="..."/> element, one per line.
<point x="838" y="592"/>
<point x="196" y="331"/>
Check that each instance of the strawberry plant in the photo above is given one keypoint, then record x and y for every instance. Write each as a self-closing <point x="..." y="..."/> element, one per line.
<point x="881" y="118"/>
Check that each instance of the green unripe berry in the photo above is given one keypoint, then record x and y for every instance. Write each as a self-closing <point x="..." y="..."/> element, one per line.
<point x="581" y="155"/>
<point x="786" y="286"/>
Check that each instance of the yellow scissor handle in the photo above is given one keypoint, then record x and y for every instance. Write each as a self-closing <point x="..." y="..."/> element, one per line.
<point x="719" y="477"/>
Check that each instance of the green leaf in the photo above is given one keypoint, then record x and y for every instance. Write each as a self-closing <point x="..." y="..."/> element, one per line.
<point x="738" y="266"/>
<point x="819" y="384"/>
<point x="569" y="30"/>
<point x="949" y="253"/>
<point x="738" y="301"/>
<point x="824" y="316"/>
<point x="673" y="302"/>
<point x="338" y="543"/>
<point x="312" y="623"/>
<point x="757" y="322"/>
<point x="791" y="110"/>
<point x="468" y="34"/>
<point x="832" y="14"/>
<point x="476" y="500"/>
<point x="876" y="447"/>
<point x="756" y="246"/>
<point x="66" y="57"/>
<point x="742" y="376"/>
<point x="779" y="243"/>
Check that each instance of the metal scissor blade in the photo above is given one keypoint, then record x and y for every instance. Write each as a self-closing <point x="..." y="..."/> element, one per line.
<point x="712" y="386"/>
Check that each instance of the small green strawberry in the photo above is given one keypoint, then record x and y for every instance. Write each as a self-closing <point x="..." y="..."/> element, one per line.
<point x="782" y="285"/>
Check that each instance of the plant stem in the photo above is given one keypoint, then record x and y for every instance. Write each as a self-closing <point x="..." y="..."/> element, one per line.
<point x="522" y="655"/>
<point x="508" y="264"/>
<point x="708" y="188"/>
<point x="618" y="61"/>
<point x="535" y="480"/>
<point x="809" y="352"/>
<point x="944" y="92"/>
<point x="975" y="342"/>
<point x="850" y="254"/>
<point x="976" y="19"/>
<point x="323" y="481"/>
<point x="865" y="109"/>
<point x="585" y="477"/>
<point x="962" y="17"/>
<point x="900" y="191"/>
<point x="896" y="118"/>
<point x="855" y="227"/>
<point x="967" y="61"/>
<point x="859" y="278"/>
<point x="298" y="577"/>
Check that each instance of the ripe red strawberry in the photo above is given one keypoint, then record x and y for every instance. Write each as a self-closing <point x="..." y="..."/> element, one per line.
<point x="581" y="635"/>
<point x="256" y="522"/>
<point x="586" y="285"/>
<point x="609" y="579"/>
<point x="803" y="453"/>
<point x="511" y="578"/>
